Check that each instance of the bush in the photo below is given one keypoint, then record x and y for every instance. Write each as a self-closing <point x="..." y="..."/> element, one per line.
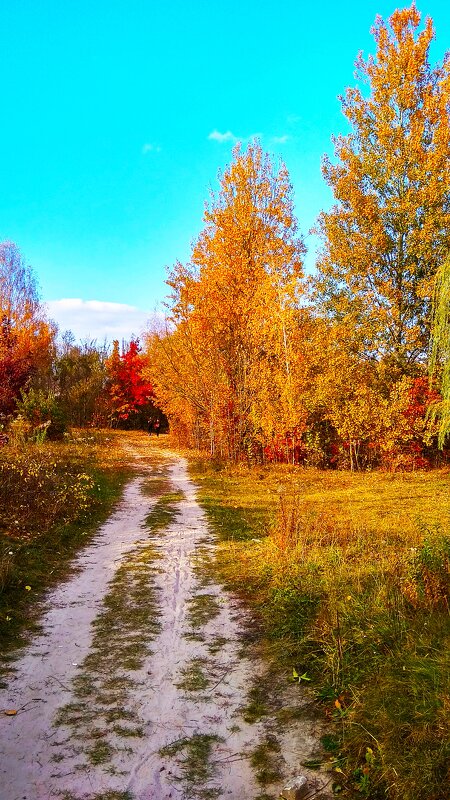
<point x="39" y="488"/>
<point x="43" y="412"/>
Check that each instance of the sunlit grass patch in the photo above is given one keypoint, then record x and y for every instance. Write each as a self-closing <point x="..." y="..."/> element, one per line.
<point x="156" y="480"/>
<point x="203" y="564"/>
<point x="349" y="575"/>
<point x="164" y="511"/>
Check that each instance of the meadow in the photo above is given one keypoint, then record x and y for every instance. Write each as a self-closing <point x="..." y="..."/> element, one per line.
<point x="348" y="577"/>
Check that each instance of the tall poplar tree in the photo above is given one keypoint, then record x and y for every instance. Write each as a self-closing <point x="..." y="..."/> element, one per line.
<point x="390" y="226"/>
<point x="234" y="306"/>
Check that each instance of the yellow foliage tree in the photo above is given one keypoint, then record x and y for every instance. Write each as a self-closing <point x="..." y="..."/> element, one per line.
<point x="235" y="312"/>
<point x="386" y="235"/>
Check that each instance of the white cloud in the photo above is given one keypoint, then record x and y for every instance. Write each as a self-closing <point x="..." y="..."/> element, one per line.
<point x="281" y="139"/>
<point x="148" y="147"/>
<point x="222" y="137"/>
<point x="97" y="319"/>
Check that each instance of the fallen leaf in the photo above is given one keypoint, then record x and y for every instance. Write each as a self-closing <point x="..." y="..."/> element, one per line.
<point x="10" y="712"/>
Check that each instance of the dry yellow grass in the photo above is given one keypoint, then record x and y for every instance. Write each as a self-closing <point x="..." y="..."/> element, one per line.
<point x="350" y="574"/>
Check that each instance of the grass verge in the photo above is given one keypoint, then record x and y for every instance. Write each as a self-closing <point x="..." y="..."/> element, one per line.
<point x="37" y="552"/>
<point x="348" y="575"/>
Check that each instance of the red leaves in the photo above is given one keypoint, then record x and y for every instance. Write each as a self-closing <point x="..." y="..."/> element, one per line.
<point x="128" y="389"/>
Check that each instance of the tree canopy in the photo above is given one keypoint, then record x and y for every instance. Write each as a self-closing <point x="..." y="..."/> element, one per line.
<point x="386" y="235"/>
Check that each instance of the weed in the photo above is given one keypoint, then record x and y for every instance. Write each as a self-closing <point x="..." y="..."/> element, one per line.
<point x="257" y="706"/>
<point x="265" y="760"/>
<point x="193" y="755"/>
<point x="202" y="609"/>
<point x="193" y="678"/>
<point x="216" y="644"/>
<point x="99" y="753"/>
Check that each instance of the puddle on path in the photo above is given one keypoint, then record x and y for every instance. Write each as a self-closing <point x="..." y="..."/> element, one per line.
<point x="135" y="688"/>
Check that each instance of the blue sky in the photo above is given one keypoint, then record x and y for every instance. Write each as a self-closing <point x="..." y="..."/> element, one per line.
<point x="115" y="118"/>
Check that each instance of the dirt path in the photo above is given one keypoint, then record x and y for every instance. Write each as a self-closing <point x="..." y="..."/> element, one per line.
<point x="138" y="685"/>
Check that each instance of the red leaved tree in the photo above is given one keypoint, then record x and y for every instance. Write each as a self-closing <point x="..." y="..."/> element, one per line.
<point x="131" y="394"/>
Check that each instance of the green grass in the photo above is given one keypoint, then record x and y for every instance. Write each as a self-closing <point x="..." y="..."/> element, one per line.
<point x="202" y="608"/>
<point x="265" y="760"/>
<point x="193" y="677"/>
<point x="348" y="578"/>
<point x="193" y="756"/>
<point x="164" y="511"/>
<point x="257" y="706"/>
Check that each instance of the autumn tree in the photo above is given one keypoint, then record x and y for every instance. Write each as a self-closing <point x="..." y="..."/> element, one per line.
<point x="26" y="336"/>
<point x="129" y="391"/>
<point x="79" y="378"/>
<point x="234" y="306"/>
<point x="390" y="226"/>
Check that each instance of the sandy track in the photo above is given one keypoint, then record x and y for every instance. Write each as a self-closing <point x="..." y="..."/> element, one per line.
<point x="181" y="691"/>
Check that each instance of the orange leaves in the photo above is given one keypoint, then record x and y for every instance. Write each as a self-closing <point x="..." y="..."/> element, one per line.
<point x="26" y="336"/>
<point x="228" y="363"/>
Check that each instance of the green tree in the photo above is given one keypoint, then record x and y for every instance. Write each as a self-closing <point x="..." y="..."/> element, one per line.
<point x="440" y="351"/>
<point x="80" y="378"/>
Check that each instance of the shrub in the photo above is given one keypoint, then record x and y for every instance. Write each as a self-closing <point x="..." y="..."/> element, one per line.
<point x="43" y="412"/>
<point x="39" y="488"/>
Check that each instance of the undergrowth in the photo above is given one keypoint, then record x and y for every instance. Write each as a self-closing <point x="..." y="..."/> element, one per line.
<point x="53" y="496"/>
<point x="349" y="577"/>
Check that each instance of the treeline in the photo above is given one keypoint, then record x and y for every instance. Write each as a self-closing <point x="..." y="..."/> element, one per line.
<point x="48" y="384"/>
<point x="257" y="360"/>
